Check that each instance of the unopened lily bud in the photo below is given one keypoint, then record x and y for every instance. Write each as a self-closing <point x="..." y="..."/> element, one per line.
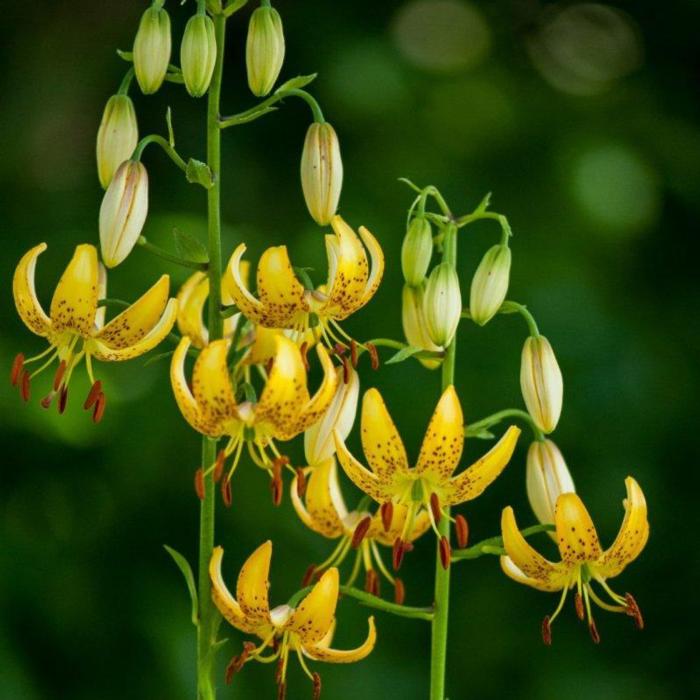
<point x="321" y="172"/>
<point x="319" y="444"/>
<point x="264" y="50"/>
<point x="442" y="304"/>
<point x="541" y="383"/>
<point x="152" y="47"/>
<point x="547" y="478"/>
<point x="117" y="136"/>
<point x="416" y="251"/>
<point x="490" y="284"/>
<point x="413" y="320"/>
<point x="198" y="54"/>
<point x="123" y="212"/>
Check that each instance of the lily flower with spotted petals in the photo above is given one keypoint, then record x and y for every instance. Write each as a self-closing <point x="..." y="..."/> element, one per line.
<point x="583" y="561"/>
<point x="430" y="485"/>
<point x="323" y="510"/>
<point x="283" y="410"/>
<point x="75" y="325"/>
<point x="305" y="629"/>
<point x="284" y="302"/>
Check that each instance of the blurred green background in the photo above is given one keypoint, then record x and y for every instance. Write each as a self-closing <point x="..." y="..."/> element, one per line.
<point x="583" y="121"/>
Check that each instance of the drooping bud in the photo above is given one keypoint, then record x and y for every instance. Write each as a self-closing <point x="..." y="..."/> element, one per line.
<point x="123" y="212"/>
<point x="117" y="137"/>
<point x="264" y="50"/>
<point x="490" y="284"/>
<point x="414" y="326"/>
<point x="442" y="304"/>
<point x="152" y="47"/>
<point x="416" y="251"/>
<point x="321" y="172"/>
<point x="541" y="383"/>
<point x="547" y="477"/>
<point x="198" y="54"/>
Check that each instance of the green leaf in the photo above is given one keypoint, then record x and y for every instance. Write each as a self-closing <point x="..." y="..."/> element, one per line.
<point x="403" y="354"/>
<point x="157" y="358"/>
<point x="189" y="247"/>
<point x="234" y="7"/>
<point x="484" y="203"/>
<point x="482" y="434"/>
<point x="297" y="83"/>
<point x="199" y="173"/>
<point x="169" y="122"/>
<point x="186" y="569"/>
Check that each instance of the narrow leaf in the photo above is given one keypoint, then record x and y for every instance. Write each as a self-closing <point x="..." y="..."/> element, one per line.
<point x="403" y="354"/>
<point x="190" y="247"/>
<point x="186" y="569"/>
<point x="297" y="83"/>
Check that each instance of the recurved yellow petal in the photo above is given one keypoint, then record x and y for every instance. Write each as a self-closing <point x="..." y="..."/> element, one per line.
<point x="322" y="652"/>
<point x="191" y="299"/>
<point x="227" y="605"/>
<point x="365" y="480"/>
<point x="323" y="507"/>
<point x="321" y="400"/>
<point x="348" y="270"/>
<point x="577" y="538"/>
<point x="253" y="584"/>
<point x="183" y="396"/>
<point x="473" y="481"/>
<point x="377" y="264"/>
<point x="279" y="291"/>
<point x="237" y="289"/>
<point x="211" y="383"/>
<point x="381" y="441"/>
<point x="512" y="571"/>
<point x="314" y="615"/>
<point x="28" y="306"/>
<point x="443" y="442"/>
<point x="74" y="302"/>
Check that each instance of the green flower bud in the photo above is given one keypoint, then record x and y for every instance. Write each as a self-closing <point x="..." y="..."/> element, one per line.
<point x="198" y="54"/>
<point x="541" y="383"/>
<point x="117" y="136"/>
<point x="123" y="212"/>
<point x="442" y="304"/>
<point x="321" y="172"/>
<point x="416" y="251"/>
<point x="152" y="47"/>
<point x="264" y="51"/>
<point x="413" y="320"/>
<point x="490" y="284"/>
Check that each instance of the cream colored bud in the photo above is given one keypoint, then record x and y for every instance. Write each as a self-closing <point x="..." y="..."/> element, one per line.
<point x="123" y="212"/>
<point x="264" y="50"/>
<point x="152" y="47"/>
<point x="319" y="444"/>
<point x="442" y="304"/>
<point x="490" y="284"/>
<point x="321" y="172"/>
<point x="416" y="251"/>
<point x="198" y="54"/>
<point x="546" y="479"/>
<point x="117" y="136"/>
<point x="413" y="320"/>
<point x="541" y="383"/>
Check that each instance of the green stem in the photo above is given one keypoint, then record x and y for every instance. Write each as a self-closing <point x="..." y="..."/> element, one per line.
<point x="494" y="418"/>
<point x="170" y="257"/>
<point x="438" y="649"/>
<point x="164" y="144"/>
<point x="494" y="545"/>
<point x="267" y="106"/>
<point x="126" y="82"/>
<point x="209" y="617"/>
<point x="512" y="307"/>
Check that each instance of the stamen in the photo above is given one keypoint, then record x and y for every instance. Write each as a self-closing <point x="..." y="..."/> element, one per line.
<point x="58" y="377"/>
<point x="445" y="552"/>
<point x="63" y="399"/>
<point x="353" y="353"/>
<point x="276" y="484"/>
<point x="547" y="631"/>
<point x="47" y="400"/>
<point x="24" y="385"/>
<point x="387" y="511"/>
<point x="435" y="508"/>
<point x="308" y="576"/>
<point x="94" y="392"/>
<point x="199" y="483"/>
<point x="346" y="369"/>
<point x="373" y="355"/>
<point x="397" y="553"/>
<point x="219" y="466"/>
<point x="360" y="531"/>
<point x="634" y="611"/>
<point x="372" y="582"/>
<point x="339" y="349"/>
<point x="281" y="691"/>
<point x="399" y="592"/>
<point x="17" y="367"/>
<point x="461" y="531"/>
<point x="578" y="602"/>
<point x="593" y="631"/>
<point x="317" y="686"/>
<point x="301" y="482"/>
<point x="377" y="557"/>
<point x="226" y="496"/>
<point x="236" y="663"/>
<point x="99" y="409"/>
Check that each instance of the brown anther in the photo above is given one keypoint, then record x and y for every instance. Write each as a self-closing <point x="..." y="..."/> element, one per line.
<point x="387" y="511"/>
<point x="317" y="685"/>
<point x="353" y="353"/>
<point x="308" y="576"/>
<point x="95" y="391"/>
<point x="360" y="531"/>
<point x="346" y="369"/>
<point x="546" y="631"/>
<point x="435" y="508"/>
<point x="372" y="582"/>
<point x="278" y="670"/>
<point x="633" y="611"/>
<point x="58" y="377"/>
<point x="397" y="553"/>
<point x="47" y="400"/>
<point x="339" y="349"/>
<point x="594" y="632"/>
<point x="281" y="691"/>
<point x="408" y="547"/>
<point x="17" y="367"/>
<point x="199" y="483"/>
<point x="236" y="663"/>
<point x="301" y="482"/>
<point x="373" y="355"/>
<point x="399" y="591"/>
<point x="445" y="552"/>
<point x="99" y="409"/>
<point x="578" y="602"/>
<point x="63" y="399"/>
<point x="24" y="385"/>
<point x="461" y="531"/>
<point x="276" y="490"/>
<point x="268" y="365"/>
<point x="226" y="495"/>
<point x="219" y="466"/>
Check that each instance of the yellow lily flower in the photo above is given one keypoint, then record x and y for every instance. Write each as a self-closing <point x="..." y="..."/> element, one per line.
<point x="430" y="485"/>
<point x="284" y="302"/>
<point x="75" y="326"/>
<point x="323" y="510"/>
<point x="283" y="410"/>
<point x="306" y="629"/>
<point x="582" y="558"/>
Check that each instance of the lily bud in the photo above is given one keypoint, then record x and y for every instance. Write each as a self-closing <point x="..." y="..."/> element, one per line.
<point x="547" y="478"/>
<point x="198" y="54"/>
<point x="413" y="320"/>
<point x="321" y="172"/>
<point x="123" y="212"/>
<point x="117" y="136"/>
<point x="490" y="284"/>
<point x="319" y="444"/>
<point x="264" y="50"/>
<point x="541" y="383"/>
<point x="152" y="47"/>
<point x="416" y="251"/>
<point x="442" y="304"/>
